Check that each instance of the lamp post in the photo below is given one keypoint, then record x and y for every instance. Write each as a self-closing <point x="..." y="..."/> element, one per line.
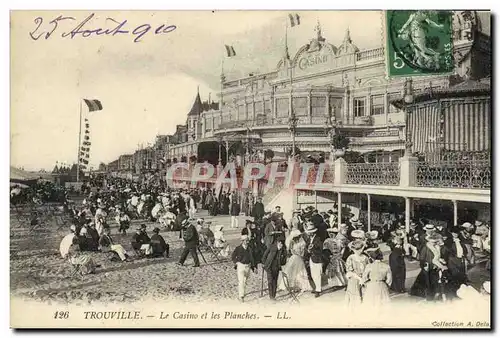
<point x="331" y="130"/>
<point x="408" y="101"/>
<point x="292" y="125"/>
<point x="219" y="140"/>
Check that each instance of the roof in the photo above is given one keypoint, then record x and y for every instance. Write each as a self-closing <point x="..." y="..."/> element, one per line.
<point x="22" y="175"/>
<point x="465" y="88"/>
<point x="197" y="107"/>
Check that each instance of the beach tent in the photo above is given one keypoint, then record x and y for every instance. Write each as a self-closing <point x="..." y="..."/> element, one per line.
<point x="66" y="243"/>
<point x="21" y="176"/>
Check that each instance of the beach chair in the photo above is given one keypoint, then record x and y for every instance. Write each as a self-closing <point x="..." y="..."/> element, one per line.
<point x="293" y="293"/>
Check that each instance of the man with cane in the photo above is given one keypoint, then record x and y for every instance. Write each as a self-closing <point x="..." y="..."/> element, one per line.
<point x="191" y="240"/>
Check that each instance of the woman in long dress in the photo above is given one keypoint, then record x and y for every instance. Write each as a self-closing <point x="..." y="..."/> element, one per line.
<point x="355" y="266"/>
<point x="377" y="277"/>
<point x="397" y="265"/>
<point x="295" y="268"/>
<point x="335" y="270"/>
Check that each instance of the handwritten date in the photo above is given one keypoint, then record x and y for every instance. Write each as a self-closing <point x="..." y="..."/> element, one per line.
<point x="81" y="29"/>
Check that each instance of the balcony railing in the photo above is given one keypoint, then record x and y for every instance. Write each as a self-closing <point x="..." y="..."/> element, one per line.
<point x="475" y="174"/>
<point x="472" y="173"/>
<point x="370" y="54"/>
<point x="373" y="173"/>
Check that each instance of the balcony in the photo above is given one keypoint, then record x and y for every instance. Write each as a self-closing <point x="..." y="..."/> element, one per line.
<point x="460" y="179"/>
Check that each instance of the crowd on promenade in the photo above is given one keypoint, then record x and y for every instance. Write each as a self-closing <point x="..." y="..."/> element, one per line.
<point x="311" y="252"/>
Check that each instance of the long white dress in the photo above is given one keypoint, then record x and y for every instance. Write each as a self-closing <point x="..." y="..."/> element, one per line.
<point x="378" y="277"/>
<point x="295" y="269"/>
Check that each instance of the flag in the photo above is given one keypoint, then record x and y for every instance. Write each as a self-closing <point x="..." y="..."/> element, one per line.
<point x="86" y="143"/>
<point x="294" y="19"/>
<point x="87" y="125"/>
<point x="86" y="120"/>
<point x="86" y="138"/>
<point x="93" y="105"/>
<point x="87" y="131"/>
<point x="82" y="153"/>
<point x="87" y="155"/>
<point x="230" y="51"/>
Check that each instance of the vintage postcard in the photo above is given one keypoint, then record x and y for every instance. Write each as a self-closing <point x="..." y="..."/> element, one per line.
<point x="250" y="169"/>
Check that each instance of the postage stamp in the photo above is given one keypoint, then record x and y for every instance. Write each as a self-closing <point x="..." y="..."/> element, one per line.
<point x="419" y="42"/>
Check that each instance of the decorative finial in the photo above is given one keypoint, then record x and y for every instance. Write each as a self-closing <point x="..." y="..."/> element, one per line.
<point x="318" y="30"/>
<point x="347" y="37"/>
<point x="198" y="89"/>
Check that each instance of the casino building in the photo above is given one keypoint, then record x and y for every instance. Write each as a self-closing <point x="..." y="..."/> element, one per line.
<point x="325" y="85"/>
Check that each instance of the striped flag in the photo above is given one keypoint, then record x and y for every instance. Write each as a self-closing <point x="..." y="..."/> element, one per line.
<point x="294" y="19"/>
<point x="94" y="105"/>
<point x="230" y="51"/>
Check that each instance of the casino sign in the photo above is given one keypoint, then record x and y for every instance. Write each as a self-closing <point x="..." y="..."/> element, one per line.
<point x="312" y="60"/>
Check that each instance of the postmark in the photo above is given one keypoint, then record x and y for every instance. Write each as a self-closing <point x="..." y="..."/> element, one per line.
<point x="419" y="43"/>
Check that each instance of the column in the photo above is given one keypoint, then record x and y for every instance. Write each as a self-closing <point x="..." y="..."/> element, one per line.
<point x="309" y="109"/>
<point x="345" y="108"/>
<point x="386" y="107"/>
<point x="351" y="108"/>
<point x="455" y="212"/>
<point x="327" y="107"/>
<point x="339" y="207"/>
<point x="407" y="213"/>
<point x="369" y="211"/>
<point x="315" y="200"/>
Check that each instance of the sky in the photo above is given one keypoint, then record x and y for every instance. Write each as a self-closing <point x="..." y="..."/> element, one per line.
<point x="147" y="87"/>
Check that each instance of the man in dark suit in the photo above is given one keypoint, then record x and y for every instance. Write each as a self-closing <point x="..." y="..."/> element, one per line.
<point x="274" y="257"/>
<point x="258" y="210"/>
<point x="271" y="232"/>
<point x="191" y="240"/>
<point x="158" y="245"/>
<point x="315" y="253"/>
<point x="235" y="212"/>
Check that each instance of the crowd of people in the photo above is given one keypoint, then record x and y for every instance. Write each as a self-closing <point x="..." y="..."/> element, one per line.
<point x="311" y="251"/>
<point x="315" y="245"/>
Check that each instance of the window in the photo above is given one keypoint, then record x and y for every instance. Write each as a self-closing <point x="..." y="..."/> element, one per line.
<point x="208" y="124"/>
<point x="391" y="97"/>
<point x="216" y="122"/>
<point x="318" y="106"/>
<point x="300" y="106"/>
<point x="249" y="111"/>
<point x="377" y="106"/>
<point x="241" y="113"/>
<point x="359" y="107"/>
<point x="282" y="107"/>
<point x="267" y="107"/>
<point x="258" y="108"/>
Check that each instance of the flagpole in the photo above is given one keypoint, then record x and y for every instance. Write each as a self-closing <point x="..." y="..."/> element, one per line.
<point x="79" y="142"/>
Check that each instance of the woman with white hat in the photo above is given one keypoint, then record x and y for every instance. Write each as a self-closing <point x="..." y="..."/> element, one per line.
<point x="295" y="269"/>
<point x="377" y="277"/>
<point x="355" y="266"/>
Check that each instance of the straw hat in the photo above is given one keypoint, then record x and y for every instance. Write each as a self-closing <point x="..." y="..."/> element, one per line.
<point x="310" y="228"/>
<point x="334" y="229"/>
<point x="429" y="227"/>
<point x="372" y="234"/>
<point x="467" y="225"/>
<point x="478" y="223"/>
<point x="358" y="234"/>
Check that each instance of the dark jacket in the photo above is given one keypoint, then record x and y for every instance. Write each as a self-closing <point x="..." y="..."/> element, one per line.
<point x="315" y="249"/>
<point x="190" y="236"/>
<point x="243" y="255"/>
<point x="139" y="239"/>
<point x="258" y="210"/>
<point x="235" y="209"/>
<point x="105" y="242"/>
<point x="158" y="244"/>
<point x="273" y="258"/>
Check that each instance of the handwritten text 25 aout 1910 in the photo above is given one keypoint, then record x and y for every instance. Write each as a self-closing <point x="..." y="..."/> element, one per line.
<point x="82" y="28"/>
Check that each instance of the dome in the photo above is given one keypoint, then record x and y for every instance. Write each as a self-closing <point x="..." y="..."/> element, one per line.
<point x="347" y="47"/>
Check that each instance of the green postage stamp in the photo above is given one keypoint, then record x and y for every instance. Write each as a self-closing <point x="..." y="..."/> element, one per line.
<point x="419" y="42"/>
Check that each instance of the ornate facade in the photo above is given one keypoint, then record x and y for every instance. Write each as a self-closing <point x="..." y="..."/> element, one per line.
<point x="324" y="85"/>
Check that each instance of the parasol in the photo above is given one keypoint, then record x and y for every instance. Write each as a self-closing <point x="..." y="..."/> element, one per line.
<point x="66" y="243"/>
